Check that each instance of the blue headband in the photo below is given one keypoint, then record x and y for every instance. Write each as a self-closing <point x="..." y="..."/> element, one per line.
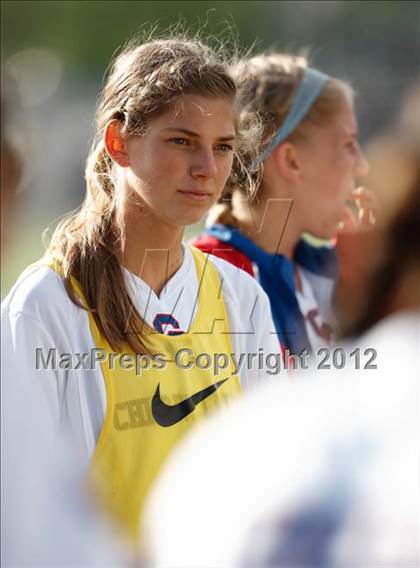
<point x="308" y="91"/>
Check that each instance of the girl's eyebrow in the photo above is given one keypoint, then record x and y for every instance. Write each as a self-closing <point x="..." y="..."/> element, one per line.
<point x="353" y="134"/>
<point x="227" y="138"/>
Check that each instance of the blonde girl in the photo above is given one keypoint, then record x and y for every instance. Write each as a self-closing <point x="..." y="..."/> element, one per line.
<point x="308" y="169"/>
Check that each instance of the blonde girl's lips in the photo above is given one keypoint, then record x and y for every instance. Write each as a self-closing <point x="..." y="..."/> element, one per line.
<point x="196" y="195"/>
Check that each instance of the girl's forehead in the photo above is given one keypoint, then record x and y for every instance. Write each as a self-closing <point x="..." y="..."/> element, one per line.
<point x="343" y="124"/>
<point x="338" y="130"/>
<point x="200" y="111"/>
<point x="346" y="119"/>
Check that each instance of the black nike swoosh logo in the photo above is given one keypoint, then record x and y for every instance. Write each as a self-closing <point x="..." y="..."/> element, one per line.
<point x="169" y="414"/>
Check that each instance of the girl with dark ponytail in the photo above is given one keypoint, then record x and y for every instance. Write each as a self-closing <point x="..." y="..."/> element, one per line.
<point x="132" y="335"/>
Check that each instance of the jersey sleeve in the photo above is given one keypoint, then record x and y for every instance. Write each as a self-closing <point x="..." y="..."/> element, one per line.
<point x="48" y="512"/>
<point x="26" y="346"/>
<point x="42" y="334"/>
<point x="256" y="347"/>
<point x="268" y="359"/>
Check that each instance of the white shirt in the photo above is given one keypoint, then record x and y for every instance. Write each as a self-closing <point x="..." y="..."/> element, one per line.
<point x="37" y="314"/>
<point x="315" y="472"/>
<point x="49" y="519"/>
<point x="314" y="301"/>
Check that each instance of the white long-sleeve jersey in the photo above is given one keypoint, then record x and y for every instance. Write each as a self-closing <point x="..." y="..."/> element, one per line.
<point x="38" y="316"/>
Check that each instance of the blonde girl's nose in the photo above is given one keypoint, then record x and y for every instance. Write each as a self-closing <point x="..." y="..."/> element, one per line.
<point x="364" y="164"/>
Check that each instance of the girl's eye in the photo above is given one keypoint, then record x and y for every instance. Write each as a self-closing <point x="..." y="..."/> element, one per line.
<point x="179" y="141"/>
<point x="224" y="148"/>
<point x="352" y="145"/>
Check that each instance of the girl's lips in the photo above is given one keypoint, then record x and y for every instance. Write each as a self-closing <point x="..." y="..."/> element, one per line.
<point x="196" y="195"/>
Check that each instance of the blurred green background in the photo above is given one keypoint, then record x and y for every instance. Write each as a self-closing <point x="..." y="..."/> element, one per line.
<point x="57" y="52"/>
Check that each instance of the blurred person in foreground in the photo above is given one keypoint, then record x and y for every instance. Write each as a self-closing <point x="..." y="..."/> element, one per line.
<point x="324" y="472"/>
<point x="48" y="515"/>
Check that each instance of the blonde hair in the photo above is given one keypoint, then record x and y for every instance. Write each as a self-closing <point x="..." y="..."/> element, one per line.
<point x="142" y="81"/>
<point x="267" y="84"/>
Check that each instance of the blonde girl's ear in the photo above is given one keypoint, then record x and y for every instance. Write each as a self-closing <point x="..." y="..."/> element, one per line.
<point x="115" y="143"/>
<point x="287" y="161"/>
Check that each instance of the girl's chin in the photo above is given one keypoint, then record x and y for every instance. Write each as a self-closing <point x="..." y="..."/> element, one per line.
<point x="324" y="236"/>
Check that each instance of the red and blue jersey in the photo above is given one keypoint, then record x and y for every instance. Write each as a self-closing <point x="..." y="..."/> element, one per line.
<point x="276" y="274"/>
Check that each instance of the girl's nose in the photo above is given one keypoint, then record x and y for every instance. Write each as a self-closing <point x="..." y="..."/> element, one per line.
<point x="362" y="165"/>
<point x="204" y="165"/>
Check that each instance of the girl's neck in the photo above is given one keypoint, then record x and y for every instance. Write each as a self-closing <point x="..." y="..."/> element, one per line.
<point x="268" y="222"/>
<point x="151" y="248"/>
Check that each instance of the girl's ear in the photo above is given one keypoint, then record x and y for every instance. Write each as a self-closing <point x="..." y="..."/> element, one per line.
<point x="115" y="143"/>
<point x="286" y="159"/>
